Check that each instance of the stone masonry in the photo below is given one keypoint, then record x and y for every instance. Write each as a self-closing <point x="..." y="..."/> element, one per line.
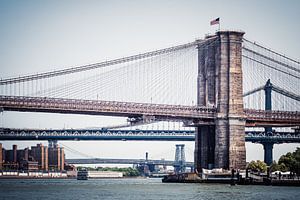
<point x="220" y="84"/>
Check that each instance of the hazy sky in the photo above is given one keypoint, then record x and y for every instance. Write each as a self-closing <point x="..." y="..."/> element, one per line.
<point x="37" y="36"/>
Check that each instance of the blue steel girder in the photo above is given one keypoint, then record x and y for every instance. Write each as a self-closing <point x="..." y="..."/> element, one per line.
<point x="145" y="135"/>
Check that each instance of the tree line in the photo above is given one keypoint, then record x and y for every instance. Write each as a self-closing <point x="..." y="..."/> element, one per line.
<point x="129" y="171"/>
<point x="288" y="162"/>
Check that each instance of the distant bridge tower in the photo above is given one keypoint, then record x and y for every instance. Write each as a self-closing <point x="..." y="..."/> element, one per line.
<point x="268" y="146"/>
<point x="179" y="165"/>
<point x="220" y="84"/>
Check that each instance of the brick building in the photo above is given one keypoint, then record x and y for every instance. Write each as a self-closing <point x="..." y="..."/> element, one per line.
<point x="1" y="158"/>
<point x="39" y="157"/>
<point x="40" y="154"/>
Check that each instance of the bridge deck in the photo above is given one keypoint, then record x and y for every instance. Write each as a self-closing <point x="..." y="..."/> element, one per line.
<point x="124" y="161"/>
<point x="98" y="107"/>
<point x="130" y="109"/>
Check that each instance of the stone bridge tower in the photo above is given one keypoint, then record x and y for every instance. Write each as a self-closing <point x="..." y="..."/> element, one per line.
<point x="221" y="145"/>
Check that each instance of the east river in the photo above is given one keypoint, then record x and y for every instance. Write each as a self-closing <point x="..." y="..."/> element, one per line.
<point x="135" y="189"/>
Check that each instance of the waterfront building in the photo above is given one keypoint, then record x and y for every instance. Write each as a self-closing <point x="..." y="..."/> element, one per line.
<point x="1" y="157"/>
<point x="39" y="157"/>
<point x="62" y="159"/>
<point x="22" y="154"/>
<point x="39" y="154"/>
<point x="15" y="153"/>
<point x="56" y="157"/>
<point x="10" y="166"/>
<point x="46" y="163"/>
<point x="27" y="165"/>
<point x="10" y="156"/>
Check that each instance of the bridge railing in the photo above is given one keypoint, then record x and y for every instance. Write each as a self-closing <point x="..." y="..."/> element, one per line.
<point x="121" y="108"/>
<point x="162" y="111"/>
<point x="268" y="114"/>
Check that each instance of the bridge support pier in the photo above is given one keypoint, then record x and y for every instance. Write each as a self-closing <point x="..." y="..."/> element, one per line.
<point x="220" y="84"/>
<point x="268" y="152"/>
<point x="204" y="147"/>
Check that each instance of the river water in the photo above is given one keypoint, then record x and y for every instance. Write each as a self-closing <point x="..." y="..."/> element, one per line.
<point x="136" y="189"/>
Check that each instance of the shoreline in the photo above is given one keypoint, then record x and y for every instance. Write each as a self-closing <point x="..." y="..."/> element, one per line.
<point x="31" y="177"/>
<point x="69" y="177"/>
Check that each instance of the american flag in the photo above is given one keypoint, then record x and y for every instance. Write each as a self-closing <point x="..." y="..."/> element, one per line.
<point x="215" y="21"/>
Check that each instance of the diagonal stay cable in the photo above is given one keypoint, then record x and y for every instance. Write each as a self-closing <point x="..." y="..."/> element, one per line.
<point x="75" y="151"/>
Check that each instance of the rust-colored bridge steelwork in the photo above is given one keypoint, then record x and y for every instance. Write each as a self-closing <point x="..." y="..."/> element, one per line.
<point x="263" y="118"/>
<point x="129" y="109"/>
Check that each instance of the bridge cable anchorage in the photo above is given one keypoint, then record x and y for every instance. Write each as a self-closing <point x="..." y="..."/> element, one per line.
<point x="96" y="65"/>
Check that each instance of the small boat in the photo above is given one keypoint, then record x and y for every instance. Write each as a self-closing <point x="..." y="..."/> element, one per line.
<point x="82" y="174"/>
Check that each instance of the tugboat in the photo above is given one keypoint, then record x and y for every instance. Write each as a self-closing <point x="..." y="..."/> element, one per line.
<point x="82" y="174"/>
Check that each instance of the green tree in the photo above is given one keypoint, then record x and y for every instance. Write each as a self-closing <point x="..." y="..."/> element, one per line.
<point x="126" y="171"/>
<point x="297" y="154"/>
<point x="278" y="167"/>
<point x="291" y="161"/>
<point x="257" y="166"/>
<point x="288" y="159"/>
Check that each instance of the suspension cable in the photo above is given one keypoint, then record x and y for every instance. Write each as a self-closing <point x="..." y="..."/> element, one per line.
<point x="96" y="65"/>
<point x="288" y="58"/>
<point x="273" y="60"/>
<point x="270" y="66"/>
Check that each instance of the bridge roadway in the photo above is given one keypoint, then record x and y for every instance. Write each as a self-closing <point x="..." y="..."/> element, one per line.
<point x="124" y="161"/>
<point x="145" y="135"/>
<point x="191" y="114"/>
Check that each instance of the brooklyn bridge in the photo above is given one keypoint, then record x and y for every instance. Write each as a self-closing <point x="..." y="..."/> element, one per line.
<point x="227" y="88"/>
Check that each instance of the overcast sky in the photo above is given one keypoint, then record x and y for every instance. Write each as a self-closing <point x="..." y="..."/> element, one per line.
<point x="38" y="36"/>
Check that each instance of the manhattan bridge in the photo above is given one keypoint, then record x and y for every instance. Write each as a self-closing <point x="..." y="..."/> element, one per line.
<point x="224" y="88"/>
